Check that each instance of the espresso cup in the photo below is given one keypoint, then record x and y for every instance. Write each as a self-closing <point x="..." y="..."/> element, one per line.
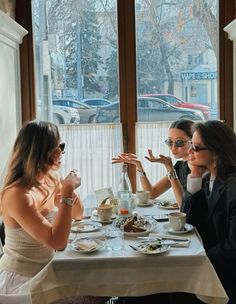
<point x="104" y="212"/>
<point x="142" y="196"/>
<point x="177" y="220"/>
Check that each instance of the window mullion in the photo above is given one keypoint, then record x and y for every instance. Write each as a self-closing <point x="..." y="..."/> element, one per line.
<point x="127" y="76"/>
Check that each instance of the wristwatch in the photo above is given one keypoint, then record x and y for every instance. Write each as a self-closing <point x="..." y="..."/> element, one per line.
<point x="67" y="201"/>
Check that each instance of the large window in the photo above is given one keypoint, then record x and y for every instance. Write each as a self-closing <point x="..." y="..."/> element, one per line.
<point x="139" y="63"/>
<point x="177" y="55"/>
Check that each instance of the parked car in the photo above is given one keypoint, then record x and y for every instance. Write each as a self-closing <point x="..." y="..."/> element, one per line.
<point x="86" y="112"/>
<point x="149" y="109"/>
<point x="175" y="101"/>
<point x="65" y="115"/>
<point x="96" y="102"/>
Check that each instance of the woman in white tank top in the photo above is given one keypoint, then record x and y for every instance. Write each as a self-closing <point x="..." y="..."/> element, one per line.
<point x="37" y="205"/>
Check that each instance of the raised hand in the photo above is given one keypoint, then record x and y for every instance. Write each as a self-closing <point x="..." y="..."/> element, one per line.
<point x="70" y="183"/>
<point x="128" y="158"/>
<point x="165" y="160"/>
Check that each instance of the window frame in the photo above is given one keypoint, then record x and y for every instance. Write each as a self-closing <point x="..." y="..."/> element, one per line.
<point x="127" y="68"/>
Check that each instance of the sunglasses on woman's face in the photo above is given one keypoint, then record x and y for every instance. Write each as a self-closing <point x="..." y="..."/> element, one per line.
<point x="195" y="147"/>
<point x="62" y="147"/>
<point x="178" y="143"/>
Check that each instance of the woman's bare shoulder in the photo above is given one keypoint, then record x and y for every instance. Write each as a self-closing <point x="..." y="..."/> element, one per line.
<point x="15" y="194"/>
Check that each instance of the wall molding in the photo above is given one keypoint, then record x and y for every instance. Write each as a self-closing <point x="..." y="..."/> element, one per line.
<point x="11" y="29"/>
<point x="231" y="30"/>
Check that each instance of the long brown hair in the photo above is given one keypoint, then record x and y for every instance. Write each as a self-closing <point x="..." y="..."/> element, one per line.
<point x="31" y="154"/>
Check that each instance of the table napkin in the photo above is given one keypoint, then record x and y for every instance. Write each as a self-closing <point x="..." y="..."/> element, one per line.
<point x="183" y="241"/>
<point x="86" y="244"/>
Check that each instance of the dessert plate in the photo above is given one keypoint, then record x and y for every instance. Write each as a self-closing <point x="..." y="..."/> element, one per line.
<point x="85" y="226"/>
<point x="149" y="226"/>
<point x="150" y="247"/>
<point x="87" y="245"/>
<point x="187" y="228"/>
<point x="167" y="205"/>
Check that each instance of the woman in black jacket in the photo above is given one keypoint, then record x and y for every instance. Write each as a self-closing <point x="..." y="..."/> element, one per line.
<point x="210" y="202"/>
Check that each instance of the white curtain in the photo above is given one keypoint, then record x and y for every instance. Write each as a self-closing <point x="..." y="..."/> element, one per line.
<point x="152" y="136"/>
<point x="89" y="149"/>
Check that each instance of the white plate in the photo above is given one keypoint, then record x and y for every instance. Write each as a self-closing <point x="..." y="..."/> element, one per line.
<point x="149" y="203"/>
<point x="96" y="219"/>
<point x="74" y="245"/>
<point x="150" y="226"/>
<point x="187" y="228"/>
<point x="169" y="205"/>
<point x="85" y="226"/>
<point x="144" y="248"/>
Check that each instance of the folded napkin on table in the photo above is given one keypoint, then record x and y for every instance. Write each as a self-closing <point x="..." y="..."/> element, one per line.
<point x="180" y="241"/>
<point x="86" y="244"/>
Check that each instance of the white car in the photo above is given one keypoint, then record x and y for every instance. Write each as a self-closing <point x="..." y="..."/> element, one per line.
<point x="65" y="115"/>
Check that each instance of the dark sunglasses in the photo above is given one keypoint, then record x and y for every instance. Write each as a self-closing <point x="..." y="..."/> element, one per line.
<point x="195" y="147"/>
<point x="178" y="143"/>
<point x="62" y="147"/>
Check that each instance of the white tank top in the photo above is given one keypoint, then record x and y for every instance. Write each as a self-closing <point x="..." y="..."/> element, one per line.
<point x="22" y="253"/>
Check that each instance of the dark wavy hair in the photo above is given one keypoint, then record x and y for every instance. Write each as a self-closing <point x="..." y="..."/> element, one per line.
<point x="32" y="153"/>
<point x="220" y="139"/>
<point x="185" y="125"/>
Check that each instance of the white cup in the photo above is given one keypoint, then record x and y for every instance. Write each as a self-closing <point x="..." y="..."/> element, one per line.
<point x="142" y="196"/>
<point x="104" y="212"/>
<point x="177" y="220"/>
<point x="114" y="201"/>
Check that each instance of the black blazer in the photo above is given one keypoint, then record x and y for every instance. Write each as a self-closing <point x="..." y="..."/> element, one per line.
<point x="214" y="216"/>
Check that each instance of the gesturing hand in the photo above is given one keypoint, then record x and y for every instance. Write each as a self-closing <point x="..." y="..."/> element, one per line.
<point x="128" y="158"/>
<point x="165" y="160"/>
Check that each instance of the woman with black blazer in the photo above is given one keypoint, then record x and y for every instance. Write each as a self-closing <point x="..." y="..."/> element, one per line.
<point x="210" y="202"/>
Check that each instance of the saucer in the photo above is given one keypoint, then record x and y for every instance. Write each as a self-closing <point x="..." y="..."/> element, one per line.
<point x="167" y="205"/>
<point x="85" y="226"/>
<point x="147" y="204"/>
<point x="187" y="228"/>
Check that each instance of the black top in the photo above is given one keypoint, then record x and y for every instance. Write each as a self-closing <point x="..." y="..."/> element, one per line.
<point x="214" y="216"/>
<point x="182" y="170"/>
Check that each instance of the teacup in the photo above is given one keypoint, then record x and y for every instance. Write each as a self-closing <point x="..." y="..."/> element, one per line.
<point x="142" y="196"/>
<point x="104" y="212"/>
<point x="177" y="220"/>
<point x="114" y="201"/>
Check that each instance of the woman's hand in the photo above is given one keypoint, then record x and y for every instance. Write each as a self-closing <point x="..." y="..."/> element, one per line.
<point x="197" y="171"/>
<point x="70" y="183"/>
<point x="128" y="158"/>
<point x="165" y="160"/>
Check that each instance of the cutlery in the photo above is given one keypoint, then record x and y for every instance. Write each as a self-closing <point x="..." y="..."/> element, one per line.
<point x="165" y="238"/>
<point x="134" y="248"/>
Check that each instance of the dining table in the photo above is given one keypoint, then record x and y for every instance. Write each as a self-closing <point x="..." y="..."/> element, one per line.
<point x="183" y="267"/>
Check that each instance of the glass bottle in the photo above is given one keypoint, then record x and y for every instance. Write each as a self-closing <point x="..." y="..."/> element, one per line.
<point x="124" y="193"/>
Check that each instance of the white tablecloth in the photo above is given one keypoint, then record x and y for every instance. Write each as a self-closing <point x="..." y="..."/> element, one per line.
<point x="130" y="273"/>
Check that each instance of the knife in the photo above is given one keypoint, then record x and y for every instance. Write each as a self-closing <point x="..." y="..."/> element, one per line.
<point x="173" y="238"/>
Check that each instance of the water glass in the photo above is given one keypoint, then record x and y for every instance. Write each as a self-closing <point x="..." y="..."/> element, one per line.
<point x="114" y="239"/>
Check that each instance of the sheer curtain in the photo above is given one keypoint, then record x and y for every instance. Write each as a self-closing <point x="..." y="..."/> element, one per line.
<point x="152" y="136"/>
<point x="89" y="149"/>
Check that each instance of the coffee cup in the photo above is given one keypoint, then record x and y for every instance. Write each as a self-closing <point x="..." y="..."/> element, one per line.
<point x="104" y="212"/>
<point x="177" y="220"/>
<point x="114" y="201"/>
<point x="142" y="196"/>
